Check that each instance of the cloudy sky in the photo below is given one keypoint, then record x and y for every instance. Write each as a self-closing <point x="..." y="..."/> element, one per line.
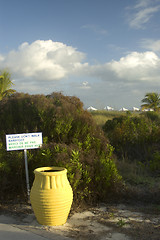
<point x="106" y="52"/>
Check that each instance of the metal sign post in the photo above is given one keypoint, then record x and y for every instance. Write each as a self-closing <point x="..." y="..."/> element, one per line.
<point x="27" y="174"/>
<point x="24" y="141"/>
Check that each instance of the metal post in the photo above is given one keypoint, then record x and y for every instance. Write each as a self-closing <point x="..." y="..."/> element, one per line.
<point x="27" y="175"/>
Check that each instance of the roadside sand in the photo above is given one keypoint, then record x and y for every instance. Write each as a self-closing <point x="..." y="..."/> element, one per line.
<point x="103" y="222"/>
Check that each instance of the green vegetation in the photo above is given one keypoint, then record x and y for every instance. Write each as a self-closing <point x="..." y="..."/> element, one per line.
<point x="101" y="116"/>
<point x="5" y="84"/>
<point x="136" y="140"/>
<point x="121" y="223"/>
<point x="97" y="148"/>
<point x="151" y="100"/>
<point x="71" y="139"/>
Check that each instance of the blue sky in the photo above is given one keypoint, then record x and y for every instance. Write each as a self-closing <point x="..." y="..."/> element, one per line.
<point x="106" y="52"/>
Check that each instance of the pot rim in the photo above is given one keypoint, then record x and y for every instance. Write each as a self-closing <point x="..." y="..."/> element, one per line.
<point x="56" y="171"/>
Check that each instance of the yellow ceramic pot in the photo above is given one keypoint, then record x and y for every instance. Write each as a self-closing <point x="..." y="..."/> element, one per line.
<point x="51" y="195"/>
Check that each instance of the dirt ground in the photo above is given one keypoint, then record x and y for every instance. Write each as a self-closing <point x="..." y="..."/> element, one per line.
<point x="102" y="222"/>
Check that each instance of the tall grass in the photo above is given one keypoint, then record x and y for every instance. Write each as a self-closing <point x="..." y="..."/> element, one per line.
<point x="101" y="116"/>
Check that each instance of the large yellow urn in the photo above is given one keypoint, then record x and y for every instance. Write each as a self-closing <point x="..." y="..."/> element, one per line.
<point x="51" y="195"/>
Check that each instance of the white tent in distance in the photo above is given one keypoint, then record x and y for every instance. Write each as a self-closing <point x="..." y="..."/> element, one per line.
<point x="91" y="108"/>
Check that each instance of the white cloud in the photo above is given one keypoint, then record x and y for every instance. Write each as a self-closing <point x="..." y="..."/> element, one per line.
<point x="135" y="67"/>
<point x="85" y="85"/>
<point x="153" y="45"/>
<point x="142" y="12"/>
<point x="43" y="60"/>
<point x="142" y="17"/>
<point x="1" y="58"/>
<point x="37" y="67"/>
<point x="142" y="3"/>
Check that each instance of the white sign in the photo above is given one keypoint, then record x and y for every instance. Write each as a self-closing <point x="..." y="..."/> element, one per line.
<point x="23" y="141"/>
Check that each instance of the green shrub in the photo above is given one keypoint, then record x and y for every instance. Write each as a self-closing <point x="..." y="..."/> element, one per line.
<point x="153" y="116"/>
<point x="154" y="163"/>
<point x="12" y="175"/>
<point x="136" y="138"/>
<point x="71" y="139"/>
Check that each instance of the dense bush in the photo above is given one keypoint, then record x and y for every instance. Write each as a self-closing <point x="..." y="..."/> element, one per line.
<point x="136" y="139"/>
<point x="71" y="139"/>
